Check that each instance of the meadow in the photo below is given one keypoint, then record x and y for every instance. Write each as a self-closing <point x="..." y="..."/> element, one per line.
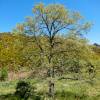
<point x="64" y="89"/>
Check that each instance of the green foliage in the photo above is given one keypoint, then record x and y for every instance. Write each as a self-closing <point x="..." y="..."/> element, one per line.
<point x="38" y="41"/>
<point x="3" y="74"/>
<point x="24" y="90"/>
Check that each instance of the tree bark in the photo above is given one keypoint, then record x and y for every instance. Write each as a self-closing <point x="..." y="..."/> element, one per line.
<point x="51" y="88"/>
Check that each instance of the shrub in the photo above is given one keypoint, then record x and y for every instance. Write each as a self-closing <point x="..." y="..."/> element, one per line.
<point x="3" y="74"/>
<point x="23" y="90"/>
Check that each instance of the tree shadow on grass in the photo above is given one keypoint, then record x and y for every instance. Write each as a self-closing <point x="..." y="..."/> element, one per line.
<point x="58" y="96"/>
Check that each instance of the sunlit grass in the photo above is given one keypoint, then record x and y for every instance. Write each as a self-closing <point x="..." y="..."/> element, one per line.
<point x="63" y="88"/>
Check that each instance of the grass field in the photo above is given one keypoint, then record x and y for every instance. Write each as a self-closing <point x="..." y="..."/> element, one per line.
<point x="64" y="89"/>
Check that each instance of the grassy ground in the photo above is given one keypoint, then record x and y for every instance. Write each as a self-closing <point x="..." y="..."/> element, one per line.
<point x="65" y="89"/>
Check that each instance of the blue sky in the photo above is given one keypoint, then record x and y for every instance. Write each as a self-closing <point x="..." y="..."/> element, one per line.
<point x="14" y="11"/>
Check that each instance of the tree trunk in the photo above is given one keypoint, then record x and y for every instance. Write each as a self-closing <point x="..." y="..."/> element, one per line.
<point x="51" y="83"/>
<point x="51" y="88"/>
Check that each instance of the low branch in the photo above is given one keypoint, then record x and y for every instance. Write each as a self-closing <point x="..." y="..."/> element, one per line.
<point x="68" y="78"/>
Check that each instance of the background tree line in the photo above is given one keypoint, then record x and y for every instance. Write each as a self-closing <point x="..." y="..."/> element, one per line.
<point x="20" y="51"/>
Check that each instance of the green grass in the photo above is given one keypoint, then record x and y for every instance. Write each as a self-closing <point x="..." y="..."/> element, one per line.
<point x="64" y="89"/>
